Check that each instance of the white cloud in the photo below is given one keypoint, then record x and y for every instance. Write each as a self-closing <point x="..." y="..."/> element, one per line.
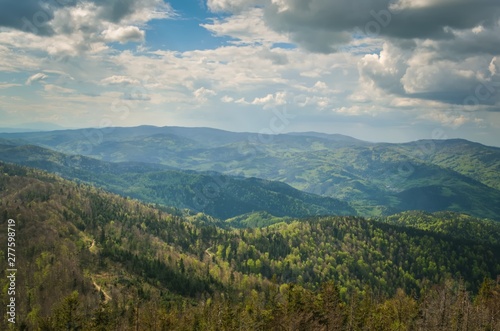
<point x="241" y="101"/>
<point x="202" y="94"/>
<point x="232" y="5"/>
<point x="449" y="119"/>
<point x="401" y="5"/>
<point x="8" y="85"/>
<point x="359" y="110"/>
<point x="493" y="66"/>
<point x="227" y="99"/>
<point x="264" y="100"/>
<point x="35" y="78"/>
<point x="277" y="99"/>
<point x="57" y="89"/>
<point x="86" y="27"/>
<point x="124" y="34"/>
<point x="383" y="70"/>
<point x="319" y="85"/>
<point x="316" y="102"/>
<point x="478" y="29"/>
<point x="119" y="80"/>
<point x="247" y="27"/>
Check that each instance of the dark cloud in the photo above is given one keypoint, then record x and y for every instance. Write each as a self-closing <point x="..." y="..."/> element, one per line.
<point x="319" y="25"/>
<point x="116" y="10"/>
<point x="28" y="15"/>
<point x="314" y="40"/>
<point x="35" y="15"/>
<point x="469" y="44"/>
<point x="431" y="22"/>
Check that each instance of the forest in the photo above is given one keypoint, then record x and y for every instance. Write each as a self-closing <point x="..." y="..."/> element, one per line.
<point x="92" y="260"/>
<point x="358" y="177"/>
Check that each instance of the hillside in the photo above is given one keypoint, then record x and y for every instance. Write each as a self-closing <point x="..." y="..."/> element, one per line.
<point x="96" y="261"/>
<point x="212" y="193"/>
<point x="474" y="160"/>
<point x="458" y="226"/>
<point x="375" y="179"/>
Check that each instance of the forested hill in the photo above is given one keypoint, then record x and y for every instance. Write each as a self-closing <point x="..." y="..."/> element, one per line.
<point x="458" y="226"/>
<point x="218" y="195"/>
<point x="376" y="179"/>
<point x="92" y="260"/>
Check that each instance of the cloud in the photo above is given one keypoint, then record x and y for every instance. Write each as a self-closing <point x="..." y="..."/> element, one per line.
<point x="36" y="16"/>
<point x="264" y="100"/>
<point x="324" y="25"/>
<point x="135" y="96"/>
<point x="69" y="28"/>
<point x="119" y="80"/>
<point x="247" y="27"/>
<point x="355" y="110"/>
<point x="453" y="119"/>
<point x="202" y="94"/>
<point x="8" y="85"/>
<point x="473" y="41"/>
<point x="338" y="61"/>
<point x="35" y="78"/>
<point x="124" y="34"/>
<point x="57" y="89"/>
<point x="88" y="26"/>
<point x="492" y="67"/>
<point x="27" y="15"/>
<point x="118" y="11"/>
<point x="424" y="72"/>
<point x="313" y="101"/>
<point x="227" y="99"/>
<point x="277" y="99"/>
<point x="233" y="5"/>
<point x="276" y="56"/>
<point x="384" y="70"/>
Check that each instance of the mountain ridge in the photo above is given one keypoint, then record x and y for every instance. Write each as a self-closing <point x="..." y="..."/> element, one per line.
<point x="216" y="194"/>
<point x="376" y="178"/>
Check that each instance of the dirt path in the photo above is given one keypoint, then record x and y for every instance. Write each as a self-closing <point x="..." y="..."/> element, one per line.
<point x="99" y="289"/>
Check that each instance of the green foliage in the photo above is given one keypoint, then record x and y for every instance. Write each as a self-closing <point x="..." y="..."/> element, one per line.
<point x="473" y="160"/>
<point x="211" y="193"/>
<point x="376" y="179"/>
<point x="96" y="261"/>
<point x="457" y="226"/>
<point x="355" y="251"/>
<point x="255" y="220"/>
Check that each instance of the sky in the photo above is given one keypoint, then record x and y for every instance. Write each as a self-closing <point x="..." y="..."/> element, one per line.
<point x="378" y="70"/>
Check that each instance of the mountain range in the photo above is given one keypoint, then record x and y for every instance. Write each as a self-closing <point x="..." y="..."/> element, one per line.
<point x="212" y="193"/>
<point x="358" y="177"/>
<point x="214" y="230"/>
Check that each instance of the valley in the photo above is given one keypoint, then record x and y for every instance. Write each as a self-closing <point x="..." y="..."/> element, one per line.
<point x="185" y="228"/>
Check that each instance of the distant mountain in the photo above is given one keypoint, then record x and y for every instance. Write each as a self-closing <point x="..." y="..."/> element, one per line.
<point x="474" y="160"/>
<point x="327" y="136"/>
<point x="11" y="130"/>
<point x="375" y="178"/>
<point x="215" y="194"/>
<point x="31" y="127"/>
